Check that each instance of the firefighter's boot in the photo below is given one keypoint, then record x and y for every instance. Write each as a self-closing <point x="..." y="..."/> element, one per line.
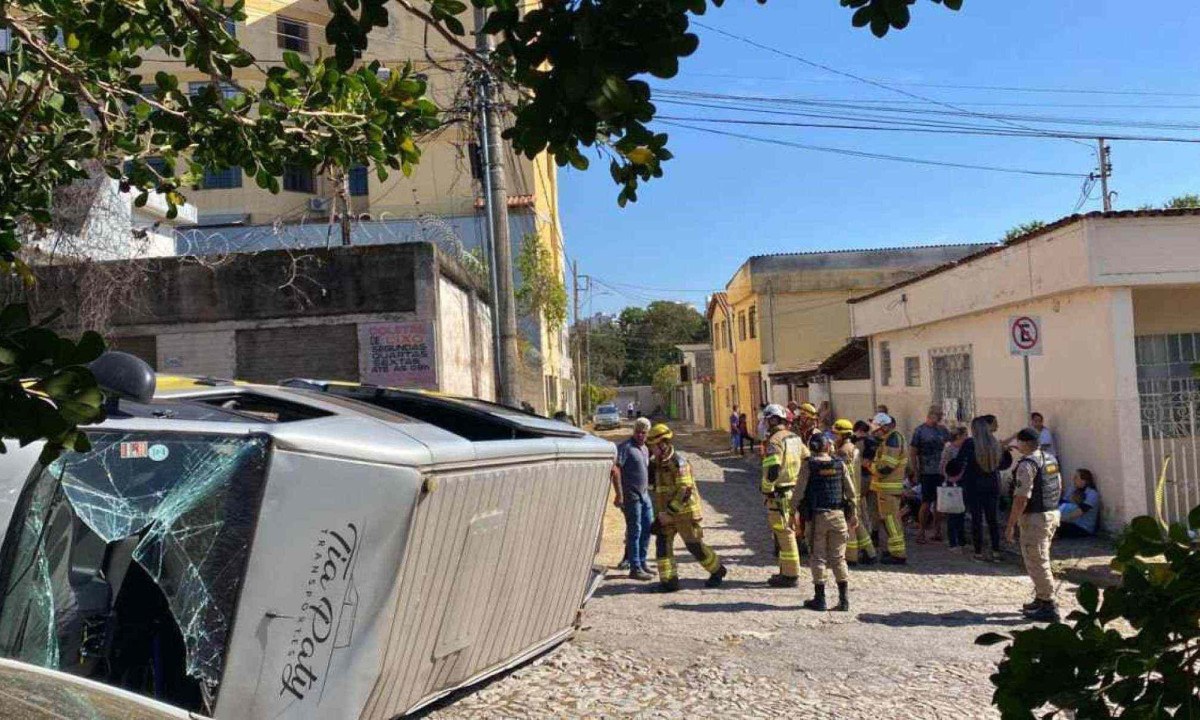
<point x="783" y="581"/>
<point x="715" y="579"/>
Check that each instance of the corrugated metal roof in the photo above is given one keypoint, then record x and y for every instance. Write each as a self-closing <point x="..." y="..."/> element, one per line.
<point x="1044" y="230"/>
<point x="866" y="250"/>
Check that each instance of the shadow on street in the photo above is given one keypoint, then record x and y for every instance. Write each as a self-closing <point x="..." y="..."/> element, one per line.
<point x="958" y="618"/>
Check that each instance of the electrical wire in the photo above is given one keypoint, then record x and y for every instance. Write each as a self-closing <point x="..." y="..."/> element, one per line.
<point x="875" y="156"/>
<point x="859" y="78"/>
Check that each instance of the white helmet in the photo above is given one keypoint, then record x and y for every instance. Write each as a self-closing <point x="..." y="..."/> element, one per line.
<point x="775" y="410"/>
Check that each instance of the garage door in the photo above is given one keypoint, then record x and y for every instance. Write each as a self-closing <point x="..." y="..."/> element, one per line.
<point x="328" y="352"/>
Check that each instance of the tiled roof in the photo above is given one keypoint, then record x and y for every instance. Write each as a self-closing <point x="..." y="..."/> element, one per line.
<point x="1044" y="230"/>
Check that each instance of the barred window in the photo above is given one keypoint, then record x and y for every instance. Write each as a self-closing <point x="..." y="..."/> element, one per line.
<point x="222" y="179"/>
<point x="753" y="322"/>
<point x="912" y="372"/>
<point x="1167" y="386"/>
<point x="360" y="184"/>
<point x="298" y="179"/>
<point x="885" y="363"/>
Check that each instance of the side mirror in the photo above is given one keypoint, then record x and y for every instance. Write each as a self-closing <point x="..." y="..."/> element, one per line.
<point x="125" y="376"/>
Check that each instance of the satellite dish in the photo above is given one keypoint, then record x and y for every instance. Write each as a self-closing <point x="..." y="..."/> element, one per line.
<point x="125" y="376"/>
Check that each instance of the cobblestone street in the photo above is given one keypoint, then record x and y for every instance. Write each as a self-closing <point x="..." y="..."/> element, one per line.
<point x="744" y="650"/>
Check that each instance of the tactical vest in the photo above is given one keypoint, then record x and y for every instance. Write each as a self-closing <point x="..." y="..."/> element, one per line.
<point x="825" y="490"/>
<point x="1047" y="483"/>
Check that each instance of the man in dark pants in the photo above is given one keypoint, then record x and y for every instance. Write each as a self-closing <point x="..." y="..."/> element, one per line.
<point x="630" y="479"/>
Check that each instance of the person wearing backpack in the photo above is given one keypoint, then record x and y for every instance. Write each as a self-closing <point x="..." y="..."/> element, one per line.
<point x="1037" y="487"/>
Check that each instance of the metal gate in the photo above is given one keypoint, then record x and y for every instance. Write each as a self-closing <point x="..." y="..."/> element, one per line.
<point x="953" y="382"/>
<point x="1169" y="396"/>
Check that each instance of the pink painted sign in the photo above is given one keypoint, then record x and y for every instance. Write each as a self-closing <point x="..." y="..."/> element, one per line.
<point x="398" y="354"/>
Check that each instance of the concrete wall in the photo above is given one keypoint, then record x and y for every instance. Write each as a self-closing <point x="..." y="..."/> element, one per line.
<point x="1166" y="310"/>
<point x="643" y="395"/>
<point x="1085" y="384"/>
<point x="455" y="351"/>
<point x="851" y="399"/>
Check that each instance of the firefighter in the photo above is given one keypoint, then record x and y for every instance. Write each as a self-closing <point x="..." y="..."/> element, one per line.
<point x="887" y="481"/>
<point x="805" y="423"/>
<point x="827" y="500"/>
<point x="859" y="547"/>
<point x="782" y="458"/>
<point x="677" y="511"/>
<point x="1038" y="485"/>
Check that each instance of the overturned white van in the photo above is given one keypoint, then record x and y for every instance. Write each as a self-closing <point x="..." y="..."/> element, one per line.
<point x="247" y="551"/>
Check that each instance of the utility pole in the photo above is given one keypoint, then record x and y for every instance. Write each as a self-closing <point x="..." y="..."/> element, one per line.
<point x="587" y="343"/>
<point x="577" y="344"/>
<point x="343" y="203"/>
<point x="1105" y="169"/>
<point x="496" y="200"/>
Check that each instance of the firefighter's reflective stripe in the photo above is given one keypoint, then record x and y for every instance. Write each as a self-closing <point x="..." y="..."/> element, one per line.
<point x="771" y="461"/>
<point x="889" y="513"/>
<point x="666" y="567"/>
<point x="890" y="456"/>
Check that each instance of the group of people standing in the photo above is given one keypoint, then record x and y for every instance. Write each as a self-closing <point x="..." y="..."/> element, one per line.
<point x="841" y="489"/>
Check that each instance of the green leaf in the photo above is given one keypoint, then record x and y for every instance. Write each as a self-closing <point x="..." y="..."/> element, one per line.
<point x="1194" y="518"/>
<point x="1088" y="596"/>
<point x="991" y="638"/>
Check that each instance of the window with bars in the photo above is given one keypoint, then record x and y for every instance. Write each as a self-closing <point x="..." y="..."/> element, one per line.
<point x="222" y="179"/>
<point x="1167" y="386"/>
<point x="360" y="184"/>
<point x="912" y="372"/>
<point x="753" y="322"/>
<point x="291" y="34"/>
<point x="885" y="363"/>
<point x="298" y="179"/>
<point x="741" y="326"/>
<point x="953" y="380"/>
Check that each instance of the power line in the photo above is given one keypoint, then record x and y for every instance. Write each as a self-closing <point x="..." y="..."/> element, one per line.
<point x="876" y="156"/>
<point x="859" y="78"/>
<point x="940" y="130"/>
<point x="951" y="86"/>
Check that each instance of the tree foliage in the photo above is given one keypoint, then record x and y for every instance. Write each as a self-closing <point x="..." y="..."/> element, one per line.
<point x="652" y="334"/>
<point x="72" y="96"/>
<point x="665" y="379"/>
<point x="1131" y="651"/>
<point x="1024" y="228"/>
<point x="541" y="291"/>
<point x="1180" y="202"/>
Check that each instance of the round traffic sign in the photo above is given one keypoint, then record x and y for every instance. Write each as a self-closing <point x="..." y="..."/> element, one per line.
<point x="1024" y="332"/>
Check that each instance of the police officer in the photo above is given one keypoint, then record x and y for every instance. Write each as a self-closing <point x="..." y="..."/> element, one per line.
<point x="887" y="481"/>
<point x="1037" y="487"/>
<point x="677" y="511"/>
<point x="783" y="456"/>
<point x="827" y="501"/>
<point x="859" y="547"/>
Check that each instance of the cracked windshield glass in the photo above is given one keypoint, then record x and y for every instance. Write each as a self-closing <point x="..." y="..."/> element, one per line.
<point x="129" y="559"/>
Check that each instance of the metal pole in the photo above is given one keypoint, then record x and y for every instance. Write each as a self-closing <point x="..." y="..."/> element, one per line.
<point x="489" y="254"/>
<point x="576" y="343"/>
<point x="490" y="142"/>
<point x="1104" y="169"/>
<point x="343" y="195"/>
<point x="1028" y="396"/>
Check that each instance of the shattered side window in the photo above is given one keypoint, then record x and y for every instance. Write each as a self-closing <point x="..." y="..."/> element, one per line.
<point x="145" y="525"/>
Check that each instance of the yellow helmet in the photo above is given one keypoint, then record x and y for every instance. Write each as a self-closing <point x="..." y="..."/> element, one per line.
<point x="808" y="409"/>
<point x="843" y="427"/>
<point x="659" y="433"/>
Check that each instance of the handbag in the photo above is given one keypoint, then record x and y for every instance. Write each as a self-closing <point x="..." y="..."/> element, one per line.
<point x="950" y="500"/>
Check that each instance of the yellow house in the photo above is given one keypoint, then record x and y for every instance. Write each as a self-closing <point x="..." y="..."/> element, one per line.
<point x="445" y="190"/>
<point x="781" y="315"/>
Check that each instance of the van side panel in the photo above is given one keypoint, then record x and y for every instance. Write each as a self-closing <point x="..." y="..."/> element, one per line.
<point x="496" y="566"/>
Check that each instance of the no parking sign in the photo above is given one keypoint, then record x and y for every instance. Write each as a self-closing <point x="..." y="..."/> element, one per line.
<point x="1025" y="335"/>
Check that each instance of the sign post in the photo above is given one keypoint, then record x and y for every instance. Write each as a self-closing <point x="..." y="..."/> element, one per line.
<point x="1025" y="339"/>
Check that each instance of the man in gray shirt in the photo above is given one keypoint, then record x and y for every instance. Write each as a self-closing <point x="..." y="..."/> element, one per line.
<point x="928" y="441"/>
<point x="631" y="487"/>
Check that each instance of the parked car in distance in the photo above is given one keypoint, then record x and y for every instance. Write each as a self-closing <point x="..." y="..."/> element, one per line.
<point x="607" y="416"/>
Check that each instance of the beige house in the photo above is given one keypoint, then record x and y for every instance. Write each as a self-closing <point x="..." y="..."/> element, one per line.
<point x="1117" y="296"/>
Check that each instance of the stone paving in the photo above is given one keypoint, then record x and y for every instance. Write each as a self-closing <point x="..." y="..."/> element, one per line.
<point x="745" y="650"/>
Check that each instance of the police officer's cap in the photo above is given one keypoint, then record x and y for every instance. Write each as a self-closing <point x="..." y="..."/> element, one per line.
<point x="817" y="443"/>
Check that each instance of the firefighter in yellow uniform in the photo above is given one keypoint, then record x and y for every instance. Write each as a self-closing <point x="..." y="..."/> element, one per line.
<point x="677" y="512"/>
<point x="887" y="481"/>
<point x="782" y="459"/>
<point x="859" y="547"/>
<point x="826" y="494"/>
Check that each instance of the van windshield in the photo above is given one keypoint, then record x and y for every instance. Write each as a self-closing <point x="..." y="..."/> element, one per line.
<point x="124" y="564"/>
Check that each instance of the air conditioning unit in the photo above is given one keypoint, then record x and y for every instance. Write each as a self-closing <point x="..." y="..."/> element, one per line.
<point x="320" y="205"/>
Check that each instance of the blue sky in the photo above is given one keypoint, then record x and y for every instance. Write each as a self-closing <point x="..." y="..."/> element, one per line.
<point x="724" y="199"/>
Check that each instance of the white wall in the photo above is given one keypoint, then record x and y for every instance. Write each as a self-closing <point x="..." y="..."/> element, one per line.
<point x="1085" y="384"/>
